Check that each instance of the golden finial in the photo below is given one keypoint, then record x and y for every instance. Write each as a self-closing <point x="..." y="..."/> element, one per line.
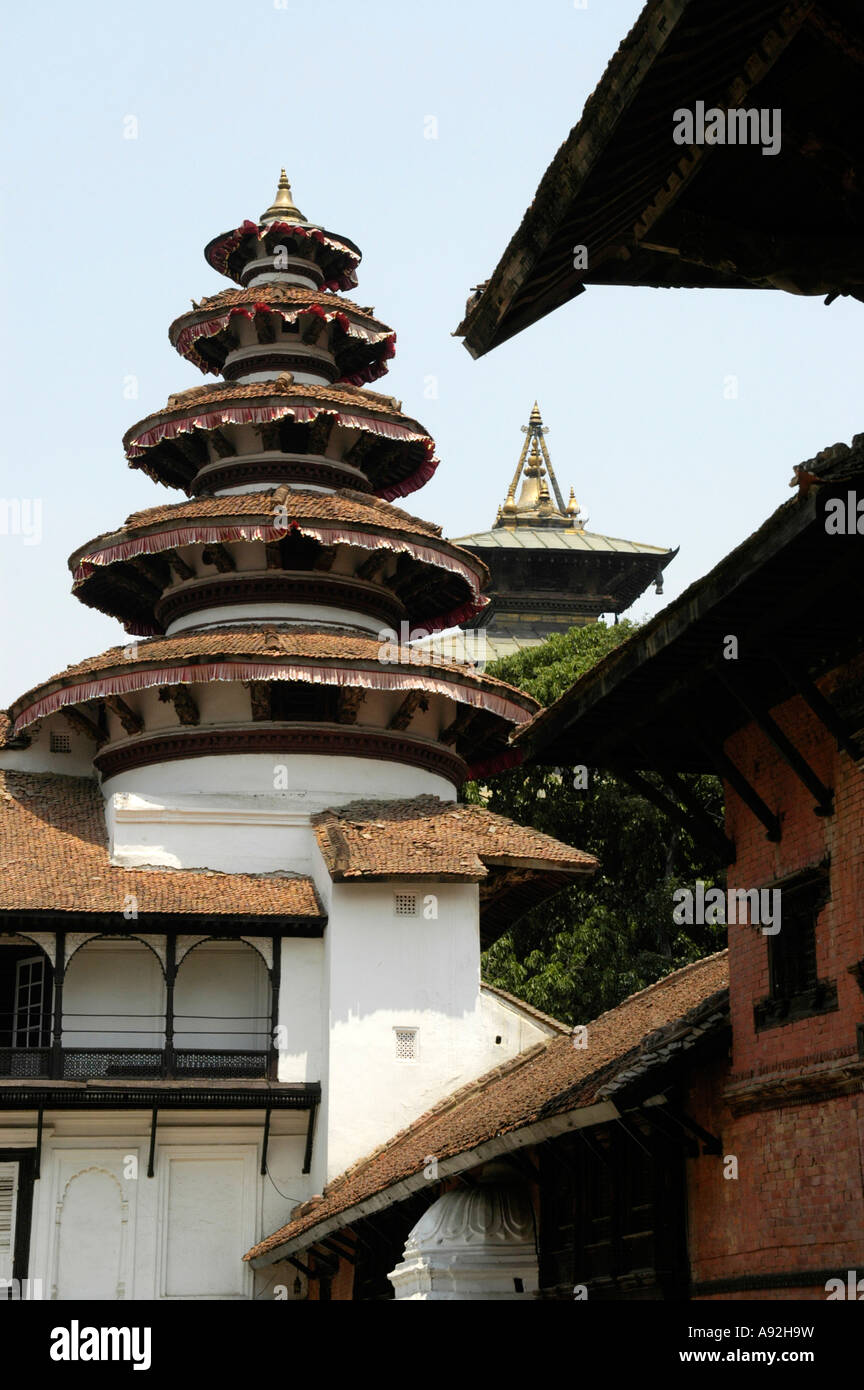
<point x="572" y="505"/>
<point x="535" y="414"/>
<point x="283" y="208"/>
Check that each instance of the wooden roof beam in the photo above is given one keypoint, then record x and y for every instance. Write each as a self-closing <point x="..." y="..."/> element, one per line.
<point x="351" y="698"/>
<point x="132" y="722"/>
<point x="180" y="697"/>
<point x="218" y="555"/>
<point x="82" y="723"/>
<point x="319" y="433"/>
<point x="413" y="701"/>
<point x="221" y="445"/>
<point x="810" y="265"/>
<point x="783" y="744"/>
<point x="261" y="700"/>
<point x="179" y="565"/>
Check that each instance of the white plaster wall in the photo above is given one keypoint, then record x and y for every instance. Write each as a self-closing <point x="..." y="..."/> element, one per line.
<point x="516" y="1027"/>
<point x="301" y="1041"/>
<point x="78" y="762"/>
<point x="179" y="813"/>
<point x="386" y="972"/>
<point x="103" y="1230"/>
<point x="244" y="613"/>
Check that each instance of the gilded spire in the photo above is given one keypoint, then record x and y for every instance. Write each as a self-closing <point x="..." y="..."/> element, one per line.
<point x="283" y="208"/>
<point x="536" y="505"/>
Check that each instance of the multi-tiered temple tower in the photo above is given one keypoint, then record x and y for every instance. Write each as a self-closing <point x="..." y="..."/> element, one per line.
<point x="257" y="905"/>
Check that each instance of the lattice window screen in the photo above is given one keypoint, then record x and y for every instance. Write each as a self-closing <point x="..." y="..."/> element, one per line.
<point x="406" y="1044"/>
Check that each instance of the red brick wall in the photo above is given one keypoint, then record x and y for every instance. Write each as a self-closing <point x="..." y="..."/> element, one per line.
<point x="798" y="1202"/>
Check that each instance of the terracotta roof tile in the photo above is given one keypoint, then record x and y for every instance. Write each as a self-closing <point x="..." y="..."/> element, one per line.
<point x="344" y="649"/>
<point x="350" y="397"/>
<point x="319" y="643"/>
<point x="275" y="293"/>
<point x="429" y="838"/>
<point x="344" y="506"/>
<point x="550" y="1079"/>
<point x="54" y="858"/>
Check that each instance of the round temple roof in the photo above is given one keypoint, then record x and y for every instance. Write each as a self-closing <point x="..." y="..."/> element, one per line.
<point x="435" y="585"/>
<point x="361" y="345"/>
<point x="239" y="253"/>
<point x="398" y="455"/>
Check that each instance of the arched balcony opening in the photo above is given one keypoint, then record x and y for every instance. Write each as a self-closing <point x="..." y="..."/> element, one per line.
<point x="147" y="1007"/>
<point x="114" y="1006"/>
<point x="222" y="1011"/>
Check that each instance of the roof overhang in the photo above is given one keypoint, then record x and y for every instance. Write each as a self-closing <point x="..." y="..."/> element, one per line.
<point x="651" y="212"/>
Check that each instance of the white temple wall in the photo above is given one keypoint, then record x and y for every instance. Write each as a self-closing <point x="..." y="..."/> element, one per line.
<point x="390" y="975"/>
<point x="262" y="612"/>
<point x="72" y="757"/>
<point x="114" y="996"/>
<point x="301" y="1041"/>
<point x="178" y="814"/>
<point x="516" y="1029"/>
<point x="103" y="1230"/>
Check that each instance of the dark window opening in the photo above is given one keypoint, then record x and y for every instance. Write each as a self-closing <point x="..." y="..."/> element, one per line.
<point x="299" y="700"/>
<point x="795" y="989"/>
<point x="26" y="997"/>
<point x="613" y="1216"/>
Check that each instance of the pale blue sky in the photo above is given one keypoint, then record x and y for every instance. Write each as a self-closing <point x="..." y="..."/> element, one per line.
<point x="102" y="242"/>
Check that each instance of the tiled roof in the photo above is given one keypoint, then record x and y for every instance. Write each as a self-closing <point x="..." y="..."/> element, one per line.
<point x="344" y="506"/>
<point x="556" y="538"/>
<point x="5" y="727"/>
<point x="551" y="1079"/>
<point x="349" y="397"/>
<point x="429" y="838"/>
<point x="54" y="858"/>
<point x="275" y="294"/>
<point x="254" y="650"/>
<point x="276" y="643"/>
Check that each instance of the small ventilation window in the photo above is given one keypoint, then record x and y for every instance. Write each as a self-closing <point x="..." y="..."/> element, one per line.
<point x="61" y="743"/>
<point x="405" y="904"/>
<point x="406" y="1044"/>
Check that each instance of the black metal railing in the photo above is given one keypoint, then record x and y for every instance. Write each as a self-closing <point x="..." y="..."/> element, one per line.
<point x="130" y="1063"/>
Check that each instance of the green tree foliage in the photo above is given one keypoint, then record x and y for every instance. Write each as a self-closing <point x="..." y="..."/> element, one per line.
<point x="587" y="948"/>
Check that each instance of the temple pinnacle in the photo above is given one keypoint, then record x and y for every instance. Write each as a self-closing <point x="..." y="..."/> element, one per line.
<point x="283" y="208"/>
